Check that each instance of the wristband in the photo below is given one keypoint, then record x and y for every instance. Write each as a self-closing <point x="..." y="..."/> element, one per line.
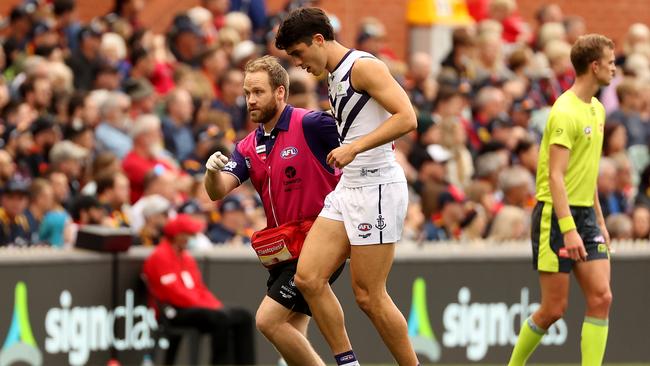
<point x="566" y="224"/>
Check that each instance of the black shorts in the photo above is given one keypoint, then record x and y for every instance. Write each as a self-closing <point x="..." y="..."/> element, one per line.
<point x="282" y="289"/>
<point x="549" y="254"/>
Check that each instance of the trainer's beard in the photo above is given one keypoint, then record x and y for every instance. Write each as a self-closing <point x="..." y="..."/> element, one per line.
<point x="266" y="113"/>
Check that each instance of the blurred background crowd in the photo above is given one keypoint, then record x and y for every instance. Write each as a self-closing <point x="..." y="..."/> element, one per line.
<point x="109" y="123"/>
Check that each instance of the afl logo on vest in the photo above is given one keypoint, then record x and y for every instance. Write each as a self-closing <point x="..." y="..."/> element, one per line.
<point x="289" y="152"/>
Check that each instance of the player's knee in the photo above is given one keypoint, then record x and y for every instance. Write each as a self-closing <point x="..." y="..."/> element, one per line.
<point x="600" y="301"/>
<point x="366" y="300"/>
<point x="266" y="325"/>
<point x="553" y="313"/>
<point x="307" y="284"/>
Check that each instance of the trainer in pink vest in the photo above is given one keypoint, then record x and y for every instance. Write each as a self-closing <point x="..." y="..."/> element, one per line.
<point x="290" y="180"/>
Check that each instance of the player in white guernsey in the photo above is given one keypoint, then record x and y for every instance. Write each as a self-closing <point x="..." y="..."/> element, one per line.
<point x="363" y="217"/>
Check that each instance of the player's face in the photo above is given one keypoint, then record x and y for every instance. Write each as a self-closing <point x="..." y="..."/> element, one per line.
<point x="261" y="100"/>
<point x="309" y="57"/>
<point x="605" y="67"/>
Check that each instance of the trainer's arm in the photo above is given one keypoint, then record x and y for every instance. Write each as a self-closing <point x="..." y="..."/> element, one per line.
<point x="219" y="184"/>
<point x="372" y="76"/>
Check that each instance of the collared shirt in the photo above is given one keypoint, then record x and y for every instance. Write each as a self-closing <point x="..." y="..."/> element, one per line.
<point x="114" y="140"/>
<point x="178" y="139"/>
<point x="320" y="133"/>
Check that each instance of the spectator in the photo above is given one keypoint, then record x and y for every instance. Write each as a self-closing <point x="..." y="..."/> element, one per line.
<point x="641" y="222"/>
<point x="489" y="104"/>
<point x="232" y="101"/>
<point x="612" y="200"/>
<point x="113" y="193"/>
<point x="61" y="188"/>
<point x="174" y="279"/>
<point x="446" y="224"/>
<point x="619" y="226"/>
<point x="176" y="125"/>
<point x="614" y="139"/>
<point x="112" y="133"/>
<point x="185" y="39"/>
<point x="15" y="229"/>
<point x="37" y="93"/>
<point x="7" y="168"/>
<point x="628" y="113"/>
<point x="230" y="230"/>
<point x="155" y="211"/>
<point x="511" y="223"/>
<point x="422" y="90"/>
<point x="41" y="201"/>
<point x="64" y="12"/>
<point x="45" y="134"/>
<point x="516" y="184"/>
<point x="85" y="61"/>
<point x="156" y="182"/>
<point x="69" y="159"/>
<point x="146" y="155"/>
<point x="575" y="27"/>
<point x="214" y="62"/>
<point x="208" y="141"/>
<point x="527" y="154"/>
<point x="143" y="97"/>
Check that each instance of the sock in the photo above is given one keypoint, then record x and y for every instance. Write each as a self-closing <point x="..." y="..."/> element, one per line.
<point x="346" y="359"/>
<point x="529" y="337"/>
<point x="594" y="340"/>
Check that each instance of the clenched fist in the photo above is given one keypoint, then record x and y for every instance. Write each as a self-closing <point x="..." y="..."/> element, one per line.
<point x="216" y="162"/>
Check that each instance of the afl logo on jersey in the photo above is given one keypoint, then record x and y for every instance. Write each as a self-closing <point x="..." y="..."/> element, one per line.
<point x="289" y="152"/>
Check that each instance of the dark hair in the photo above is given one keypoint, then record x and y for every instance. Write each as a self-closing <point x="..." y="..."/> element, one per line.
<point x="63" y="6"/>
<point x="106" y="182"/>
<point x="301" y="25"/>
<point x="587" y="49"/>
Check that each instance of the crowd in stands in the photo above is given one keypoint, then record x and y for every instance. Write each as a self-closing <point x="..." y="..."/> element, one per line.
<point x="108" y="123"/>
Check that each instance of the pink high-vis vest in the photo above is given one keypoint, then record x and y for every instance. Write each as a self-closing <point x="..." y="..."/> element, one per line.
<point x="291" y="181"/>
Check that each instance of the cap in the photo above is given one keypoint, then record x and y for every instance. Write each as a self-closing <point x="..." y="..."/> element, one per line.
<point x="138" y="89"/>
<point x="89" y="31"/>
<point x="449" y="196"/>
<point x="183" y="23"/>
<point x="16" y="185"/>
<point x="242" y="51"/>
<point x="67" y="150"/>
<point x="182" y="224"/>
<point x="41" y="124"/>
<point x="208" y="132"/>
<point x="154" y="204"/>
<point x="230" y="204"/>
<point x="438" y="153"/>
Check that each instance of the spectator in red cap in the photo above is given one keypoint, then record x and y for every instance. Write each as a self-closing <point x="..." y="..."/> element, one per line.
<point x="174" y="279"/>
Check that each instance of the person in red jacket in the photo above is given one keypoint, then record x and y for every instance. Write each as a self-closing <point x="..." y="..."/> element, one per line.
<point x="173" y="278"/>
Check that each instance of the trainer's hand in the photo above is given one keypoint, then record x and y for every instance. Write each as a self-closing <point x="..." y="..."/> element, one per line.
<point x="342" y="156"/>
<point x="574" y="246"/>
<point x="216" y="162"/>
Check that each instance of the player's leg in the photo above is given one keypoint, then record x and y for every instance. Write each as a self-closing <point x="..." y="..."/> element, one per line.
<point x="593" y="277"/>
<point x="325" y="249"/>
<point x="278" y="325"/>
<point x="553" y="279"/>
<point x="369" y="268"/>
<point x="555" y="295"/>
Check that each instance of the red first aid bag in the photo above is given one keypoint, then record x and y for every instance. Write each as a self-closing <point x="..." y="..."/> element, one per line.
<point x="280" y="244"/>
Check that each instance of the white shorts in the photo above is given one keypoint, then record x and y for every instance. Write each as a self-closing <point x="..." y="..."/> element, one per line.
<point x="371" y="214"/>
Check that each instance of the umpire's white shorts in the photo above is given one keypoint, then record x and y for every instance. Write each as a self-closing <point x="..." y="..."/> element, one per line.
<point x="371" y="214"/>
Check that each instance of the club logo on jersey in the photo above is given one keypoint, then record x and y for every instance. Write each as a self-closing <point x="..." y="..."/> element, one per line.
<point x="289" y="152"/>
<point x="381" y="224"/>
<point x="588" y="130"/>
<point x="290" y="172"/>
<point x="365" y="236"/>
<point x="231" y="165"/>
<point x="364" y="226"/>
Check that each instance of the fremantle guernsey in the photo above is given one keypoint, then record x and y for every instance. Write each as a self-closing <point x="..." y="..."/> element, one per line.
<point x="357" y="114"/>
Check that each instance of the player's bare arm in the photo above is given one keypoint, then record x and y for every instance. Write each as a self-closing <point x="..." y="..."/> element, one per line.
<point x="558" y="163"/>
<point x="372" y="76"/>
